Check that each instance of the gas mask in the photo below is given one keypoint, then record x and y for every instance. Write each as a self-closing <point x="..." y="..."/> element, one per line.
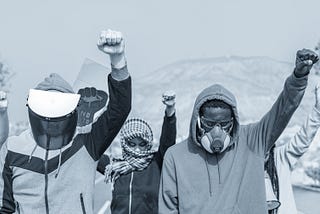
<point x="53" y="117"/>
<point x="216" y="140"/>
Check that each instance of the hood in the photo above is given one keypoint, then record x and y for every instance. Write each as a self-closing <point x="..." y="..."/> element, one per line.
<point x="214" y="92"/>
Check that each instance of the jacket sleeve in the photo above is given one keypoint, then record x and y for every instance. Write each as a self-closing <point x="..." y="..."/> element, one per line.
<point x="105" y="129"/>
<point x="4" y="127"/>
<point x="7" y="204"/>
<point x="168" y="195"/>
<point x="264" y="133"/>
<point x="299" y="144"/>
<point x="168" y="136"/>
<point x="103" y="162"/>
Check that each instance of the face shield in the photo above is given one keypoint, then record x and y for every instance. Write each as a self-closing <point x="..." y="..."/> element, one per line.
<point x="53" y="117"/>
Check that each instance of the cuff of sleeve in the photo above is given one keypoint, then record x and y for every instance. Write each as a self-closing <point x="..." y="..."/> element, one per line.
<point x="119" y="74"/>
<point x="171" y="118"/>
<point x="299" y="81"/>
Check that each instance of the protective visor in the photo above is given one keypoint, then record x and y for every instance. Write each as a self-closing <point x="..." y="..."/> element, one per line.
<point x="52" y="104"/>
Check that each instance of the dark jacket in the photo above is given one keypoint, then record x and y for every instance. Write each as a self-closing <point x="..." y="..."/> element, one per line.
<point x="197" y="182"/>
<point x="137" y="192"/>
<point x="39" y="181"/>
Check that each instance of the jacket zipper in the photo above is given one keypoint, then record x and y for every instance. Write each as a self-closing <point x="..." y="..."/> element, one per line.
<point x="82" y="204"/>
<point x="46" y="181"/>
<point x="130" y="193"/>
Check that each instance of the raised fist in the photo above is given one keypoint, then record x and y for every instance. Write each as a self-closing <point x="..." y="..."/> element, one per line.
<point x="169" y="99"/>
<point x="3" y="101"/>
<point x="304" y="61"/>
<point x="111" y="42"/>
<point x="91" y="101"/>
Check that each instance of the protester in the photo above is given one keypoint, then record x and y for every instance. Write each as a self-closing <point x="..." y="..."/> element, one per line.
<point x="50" y="167"/>
<point x="219" y="168"/>
<point x="282" y="159"/>
<point x="136" y="176"/>
<point x="4" y="122"/>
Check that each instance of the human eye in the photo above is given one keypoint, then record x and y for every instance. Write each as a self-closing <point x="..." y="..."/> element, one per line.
<point x="131" y="144"/>
<point x="143" y="144"/>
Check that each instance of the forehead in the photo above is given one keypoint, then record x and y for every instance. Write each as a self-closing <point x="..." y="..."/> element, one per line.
<point x="217" y="113"/>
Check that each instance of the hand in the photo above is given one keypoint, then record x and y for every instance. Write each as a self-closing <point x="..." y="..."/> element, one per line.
<point x="169" y="99"/>
<point x="304" y="61"/>
<point x="3" y="101"/>
<point x="112" y="43"/>
<point x="91" y="101"/>
<point x="317" y="96"/>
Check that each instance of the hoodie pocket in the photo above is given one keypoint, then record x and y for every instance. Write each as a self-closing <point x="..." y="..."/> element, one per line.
<point x="82" y="204"/>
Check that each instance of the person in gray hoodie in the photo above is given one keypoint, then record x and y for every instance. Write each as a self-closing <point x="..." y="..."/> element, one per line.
<point x="219" y="168"/>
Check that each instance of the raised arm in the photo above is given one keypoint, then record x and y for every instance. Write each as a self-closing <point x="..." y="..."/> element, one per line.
<point x="263" y="134"/>
<point x="169" y="126"/>
<point x="4" y="122"/>
<point x="107" y="126"/>
<point x="299" y="144"/>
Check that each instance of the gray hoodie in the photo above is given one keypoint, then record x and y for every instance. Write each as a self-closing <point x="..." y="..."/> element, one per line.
<point x="195" y="181"/>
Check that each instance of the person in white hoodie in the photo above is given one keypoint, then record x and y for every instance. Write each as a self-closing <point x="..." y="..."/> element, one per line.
<point x="282" y="159"/>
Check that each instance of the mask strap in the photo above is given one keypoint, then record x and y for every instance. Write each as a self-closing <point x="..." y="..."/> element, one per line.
<point x="199" y="126"/>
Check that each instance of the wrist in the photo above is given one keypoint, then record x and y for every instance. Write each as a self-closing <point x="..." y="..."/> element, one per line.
<point x="170" y="110"/>
<point x="118" y="61"/>
<point x="3" y="105"/>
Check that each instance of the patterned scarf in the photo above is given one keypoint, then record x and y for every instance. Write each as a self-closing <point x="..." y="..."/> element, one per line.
<point x="132" y="160"/>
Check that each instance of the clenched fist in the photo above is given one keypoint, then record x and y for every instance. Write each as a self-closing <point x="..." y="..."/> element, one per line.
<point x="3" y="101"/>
<point x="169" y="99"/>
<point x="111" y="42"/>
<point x="304" y="61"/>
<point x="91" y="101"/>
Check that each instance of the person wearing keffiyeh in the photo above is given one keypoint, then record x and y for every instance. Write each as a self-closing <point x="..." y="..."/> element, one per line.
<point x="135" y="177"/>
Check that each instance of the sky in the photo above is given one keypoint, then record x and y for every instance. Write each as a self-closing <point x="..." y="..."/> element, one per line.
<point x="38" y="37"/>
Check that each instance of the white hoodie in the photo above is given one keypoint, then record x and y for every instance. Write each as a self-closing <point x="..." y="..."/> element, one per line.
<point x="286" y="157"/>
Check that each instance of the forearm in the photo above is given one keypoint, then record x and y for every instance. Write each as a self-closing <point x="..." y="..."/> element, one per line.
<point x="168" y="133"/>
<point x="269" y="128"/>
<point x="301" y="141"/>
<point x="4" y="127"/>
<point x="105" y="129"/>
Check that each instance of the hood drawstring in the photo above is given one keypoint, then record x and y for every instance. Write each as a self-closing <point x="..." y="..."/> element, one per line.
<point x="218" y="168"/>
<point x="209" y="177"/>
<point x="34" y="149"/>
<point x="59" y="164"/>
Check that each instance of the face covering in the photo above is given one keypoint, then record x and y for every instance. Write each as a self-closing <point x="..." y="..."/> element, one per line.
<point x="53" y="133"/>
<point x="53" y="117"/>
<point x="216" y="140"/>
